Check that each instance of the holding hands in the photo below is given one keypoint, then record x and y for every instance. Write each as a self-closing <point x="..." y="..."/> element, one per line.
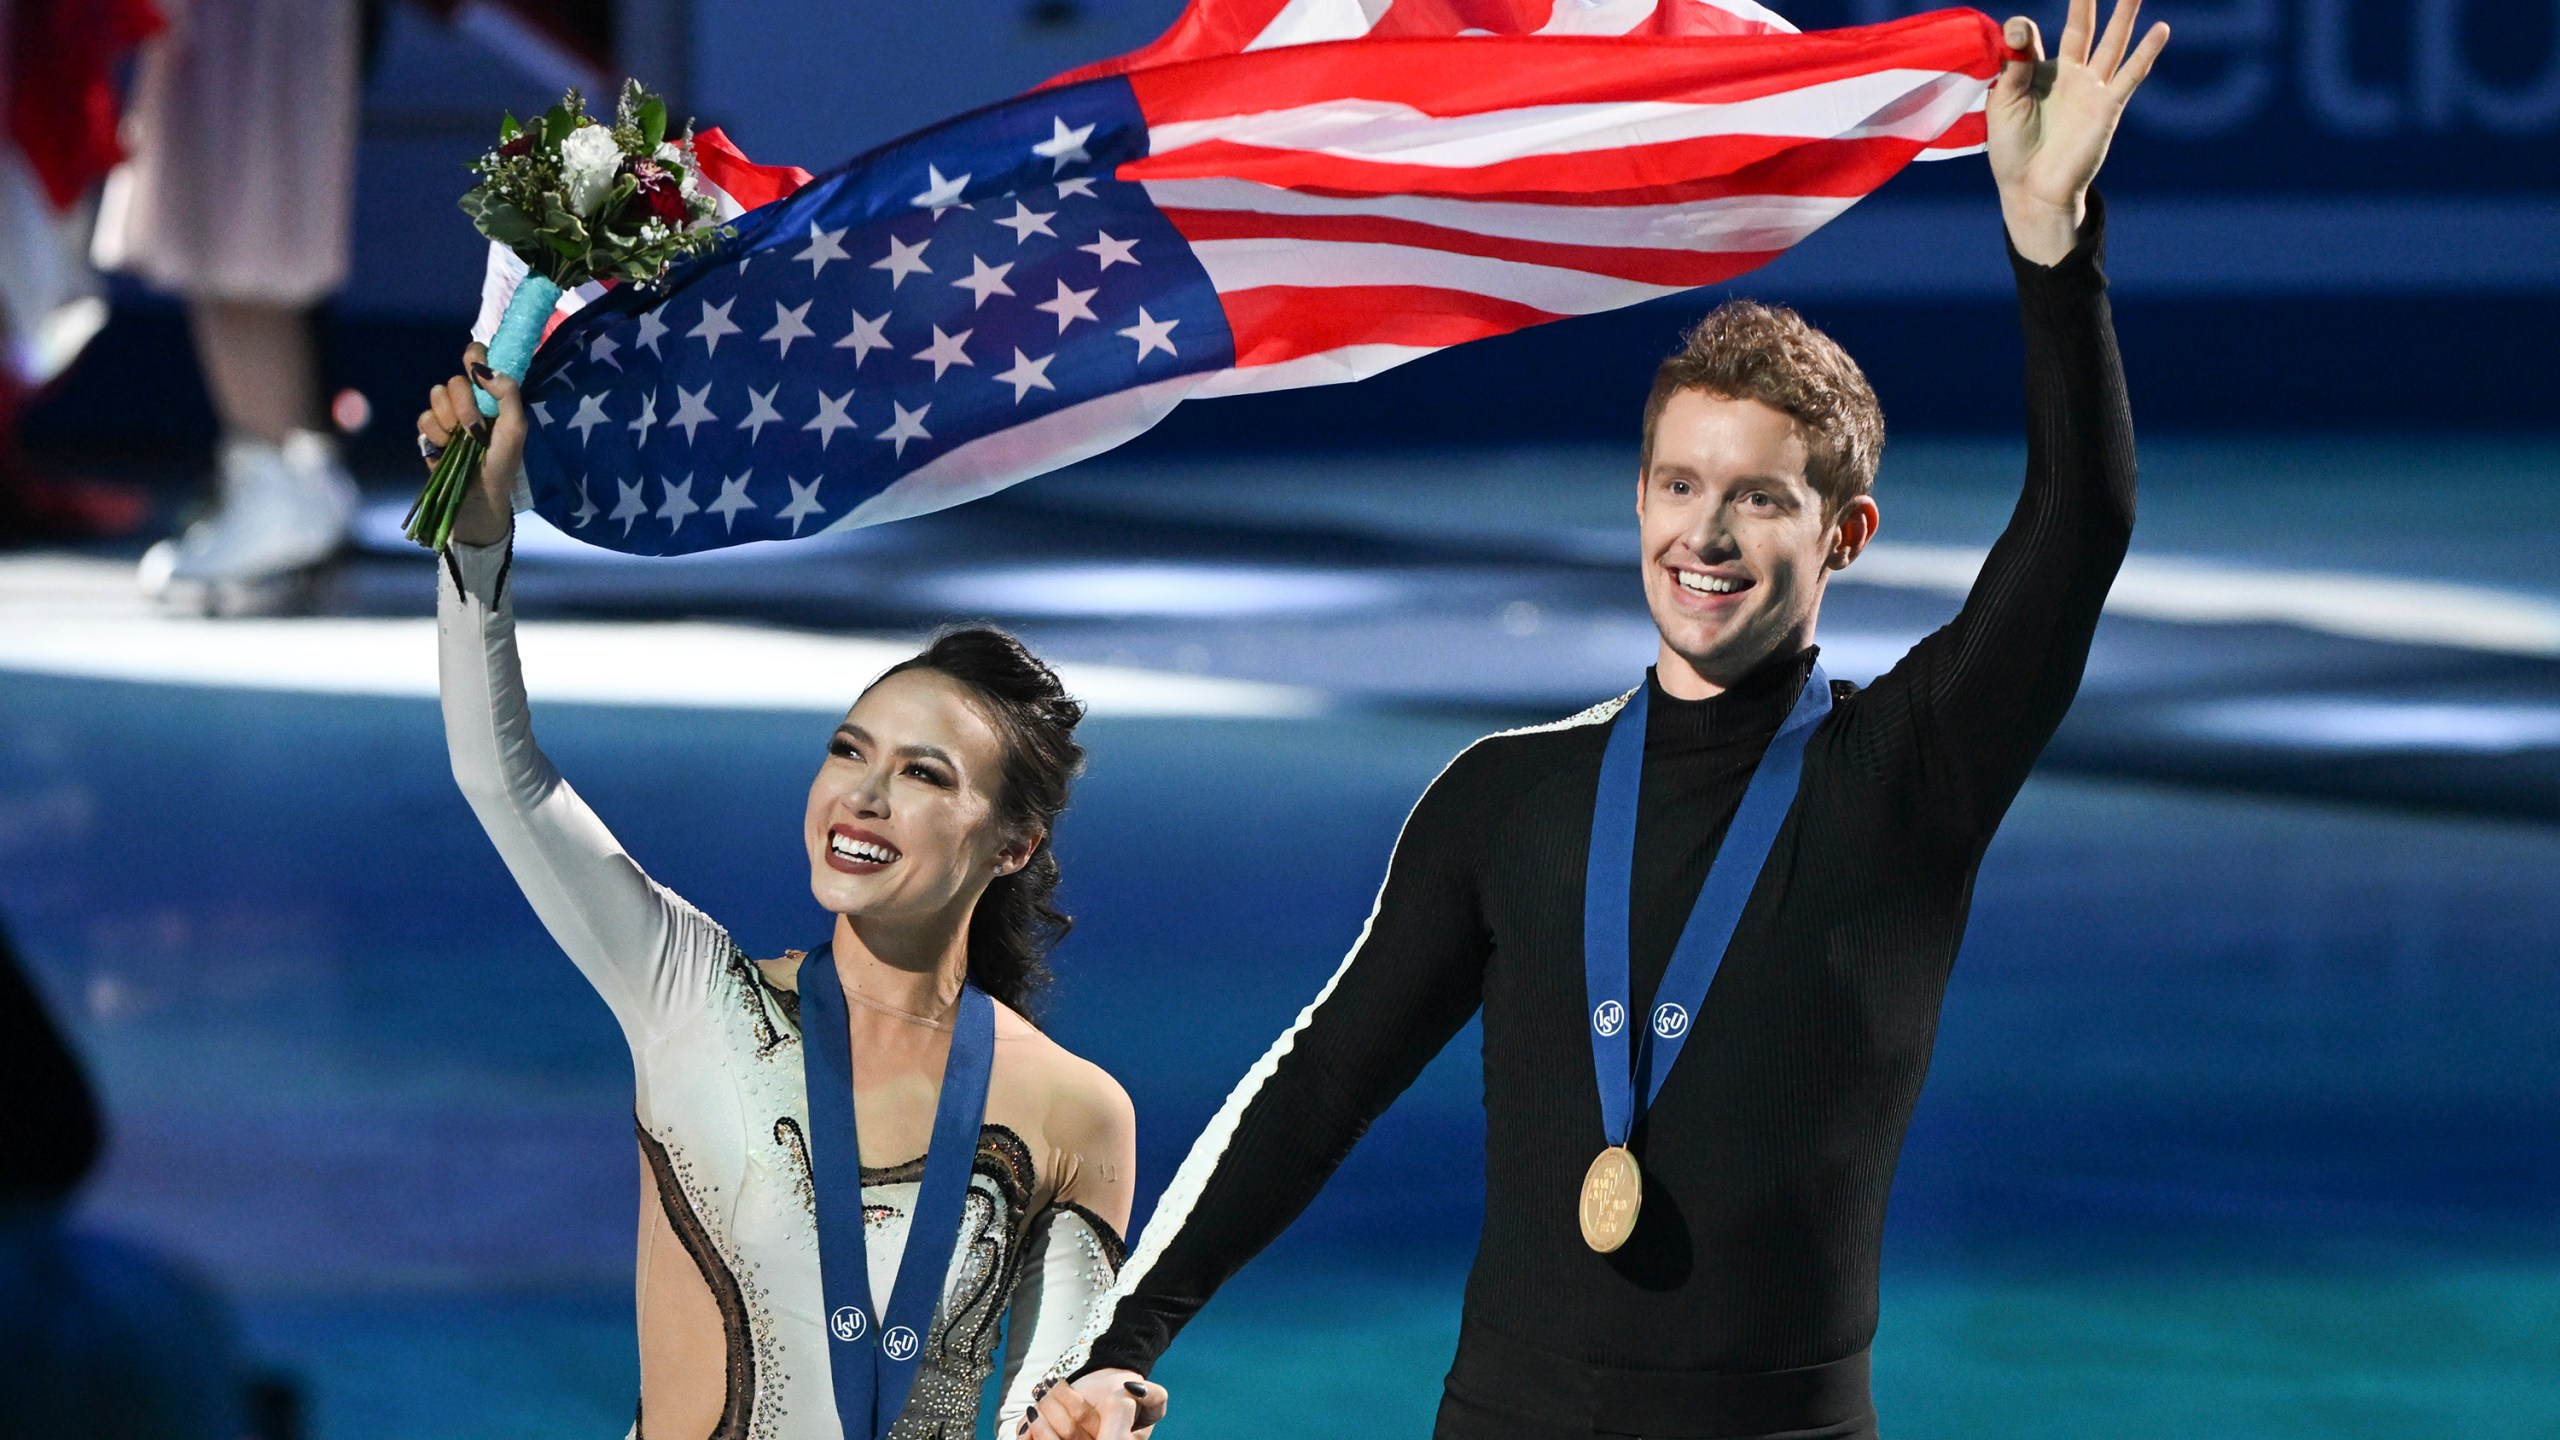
<point x="2050" y="120"/>
<point x="1105" y="1405"/>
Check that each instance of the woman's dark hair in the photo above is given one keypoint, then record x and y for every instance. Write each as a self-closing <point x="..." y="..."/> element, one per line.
<point x="1016" y="922"/>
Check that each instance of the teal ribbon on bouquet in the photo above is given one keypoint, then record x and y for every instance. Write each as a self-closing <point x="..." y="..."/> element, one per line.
<point x="430" y="520"/>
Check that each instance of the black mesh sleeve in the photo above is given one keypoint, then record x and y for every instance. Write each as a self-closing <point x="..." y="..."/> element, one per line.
<point x="1410" y="982"/>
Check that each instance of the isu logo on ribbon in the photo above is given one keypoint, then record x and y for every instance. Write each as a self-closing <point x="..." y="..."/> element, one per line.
<point x="848" y="1323"/>
<point x="1609" y="1018"/>
<point x="1669" y="1020"/>
<point x="898" y="1343"/>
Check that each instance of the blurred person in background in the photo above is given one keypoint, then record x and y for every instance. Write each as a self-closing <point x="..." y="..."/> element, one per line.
<point x="242" y="128"/>
<point x="927" y="837"/>
<point x="58" y="116"/>
<point x="100" y="1339"/>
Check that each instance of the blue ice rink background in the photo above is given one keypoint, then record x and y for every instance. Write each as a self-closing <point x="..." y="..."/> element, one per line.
<point x="2242" y="1120"/>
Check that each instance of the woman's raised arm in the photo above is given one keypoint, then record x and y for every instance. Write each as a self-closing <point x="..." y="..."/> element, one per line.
<point x="647" y="952"/>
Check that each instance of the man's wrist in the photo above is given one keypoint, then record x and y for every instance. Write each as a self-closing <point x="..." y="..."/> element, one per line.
<point x="2041" y="231"/>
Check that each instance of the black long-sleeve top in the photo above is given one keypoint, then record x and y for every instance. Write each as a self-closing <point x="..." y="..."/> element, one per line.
<point x="1769" y="1152"/>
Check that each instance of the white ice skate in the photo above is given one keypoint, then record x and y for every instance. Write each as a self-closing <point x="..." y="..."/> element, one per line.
<point x="283" y="509"/>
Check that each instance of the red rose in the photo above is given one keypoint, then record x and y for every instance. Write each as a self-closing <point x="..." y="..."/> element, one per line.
<point x="521" y="145"/>
<point x="666" y="199"/>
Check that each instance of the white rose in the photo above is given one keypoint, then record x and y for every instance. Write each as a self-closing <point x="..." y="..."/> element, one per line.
<point x="680" y="160"/>
<point x="588" y="160"/>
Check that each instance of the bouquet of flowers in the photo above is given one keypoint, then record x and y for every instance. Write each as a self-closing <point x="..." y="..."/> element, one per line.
<point x="578" y="200"/>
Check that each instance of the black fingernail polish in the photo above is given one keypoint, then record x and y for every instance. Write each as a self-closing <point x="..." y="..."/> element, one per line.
<point x="482" y="372"/>
<point x="1135" y="1387"/>
<point x="480" y="431"/>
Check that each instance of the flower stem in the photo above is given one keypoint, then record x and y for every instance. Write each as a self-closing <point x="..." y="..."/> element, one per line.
<point x="430" y="520"/>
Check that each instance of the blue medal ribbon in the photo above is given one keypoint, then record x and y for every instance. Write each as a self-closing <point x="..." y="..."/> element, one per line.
<point x="1629" y="1066"/>
<point x="874" y="1357"/>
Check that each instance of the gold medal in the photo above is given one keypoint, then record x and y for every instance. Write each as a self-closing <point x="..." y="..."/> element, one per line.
<point x="1612" y="1193"/>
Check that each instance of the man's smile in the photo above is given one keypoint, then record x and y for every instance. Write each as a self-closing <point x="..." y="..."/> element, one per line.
<point x="1711" y="585"/>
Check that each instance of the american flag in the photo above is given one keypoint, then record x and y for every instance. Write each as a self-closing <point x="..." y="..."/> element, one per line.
<point x="1038" y="281"/>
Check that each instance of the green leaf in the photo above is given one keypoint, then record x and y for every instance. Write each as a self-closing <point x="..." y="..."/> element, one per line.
<point x="653" y="121"/>
<point x="508" y="129"/>
<point x="499" y="221"/>
<point x="557" y="122"/>
<point x="562" y="232"/>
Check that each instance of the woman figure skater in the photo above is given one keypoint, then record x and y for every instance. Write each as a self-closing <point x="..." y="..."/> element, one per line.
<point x="926" y="832"/>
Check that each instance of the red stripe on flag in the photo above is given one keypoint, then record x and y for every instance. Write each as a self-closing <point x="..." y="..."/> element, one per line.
<point x="1205" y="28"/>
<point x="1973" y="129"/>
<point x="750" y="184"/>
<point x="1527" y="17"/>
<point x="1711" y="169"/>
<point x="1451" y="77"/>
<point x="1448" y="17"/>
<point x="1273" y="323"/>
<point x="1647" y="266"/>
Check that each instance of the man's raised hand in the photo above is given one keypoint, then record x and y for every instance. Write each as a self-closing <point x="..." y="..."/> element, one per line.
<point x="2050" y="120"/>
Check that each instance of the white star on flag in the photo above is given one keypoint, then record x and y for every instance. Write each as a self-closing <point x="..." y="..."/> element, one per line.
<point x="714" y="324"/>
<point x="1064" y="147"/>
<point x="590" y="415"/>
<point x="1070" y="306"/>
<point x="868" y="335"/>
<point x="945" y="351"/>
<point x="679" y="502"/>
<point x="1111" y="252"/>
<point x="1027" y="375"/>
<point x="692" y="412"/>
<point x="1151" y="333"/>
<point x="542" y="413"/>
<point x="647" y="417"/>
<point x="804" y="502"/>
<point x="1027" y="222"/>
<point x="789" y="325"/>
<point x="939" y="194"/>
<point x="600" y="349"/>
<point x="1081" y="185"/>
<point x="831" y="417"/>
<point x="733" y="498"/>
<point x="651" y="329"/>
<point x="586" y="512"/>
<point x="909" y="425"/>
<point x="760" y="413"/>
<point x="630" y="507"/>
<point x="903" y="261"/>
<point x="823" y="246"/>
<point x="984" y="280"/>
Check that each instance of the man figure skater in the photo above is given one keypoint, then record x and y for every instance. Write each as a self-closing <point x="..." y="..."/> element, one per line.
<point x="1746" y="975"/>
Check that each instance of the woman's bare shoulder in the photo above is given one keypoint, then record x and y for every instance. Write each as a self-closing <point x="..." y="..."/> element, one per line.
<point x="1086" y="1105"/>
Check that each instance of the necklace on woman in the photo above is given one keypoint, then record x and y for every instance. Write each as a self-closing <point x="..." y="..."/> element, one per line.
<point x="942" y="1021"/>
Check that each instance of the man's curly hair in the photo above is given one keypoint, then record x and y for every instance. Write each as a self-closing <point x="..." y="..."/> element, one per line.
<point x="1744" y="350"/>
